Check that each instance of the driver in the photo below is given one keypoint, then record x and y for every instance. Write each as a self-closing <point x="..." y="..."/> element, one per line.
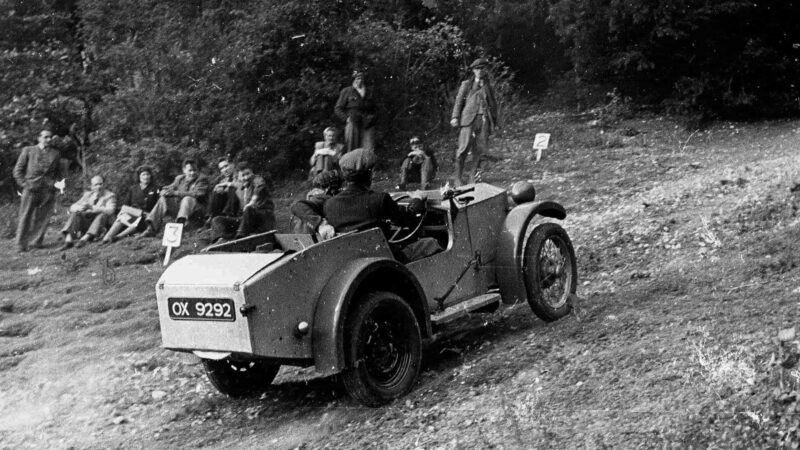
<point x="358" y="207"/>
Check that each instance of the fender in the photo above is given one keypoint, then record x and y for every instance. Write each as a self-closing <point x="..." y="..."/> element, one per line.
<point x="509" y="246"/>
<point x="330" y="313"/>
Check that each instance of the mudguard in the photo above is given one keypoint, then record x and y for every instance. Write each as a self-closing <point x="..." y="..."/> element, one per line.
<point x="334" y="302"/>
<point x="510" y="242"/>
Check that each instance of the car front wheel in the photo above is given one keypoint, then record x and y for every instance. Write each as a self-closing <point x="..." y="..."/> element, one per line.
<point x="240" y="378"/>
<point x="550" y="272"/>
<point x="383" y="346"/>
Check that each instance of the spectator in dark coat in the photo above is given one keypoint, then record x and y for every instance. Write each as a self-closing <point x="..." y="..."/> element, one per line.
<point x="141" y="197"/>
<point x="356" y="108"/>
<point x="257" y="213"/>
<point x="419" y="164"/>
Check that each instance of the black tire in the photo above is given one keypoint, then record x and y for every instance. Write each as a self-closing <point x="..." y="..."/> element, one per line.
<point x="236" y="378"/>
<point x="383" y="349"/>
<point x="550" y="272"/>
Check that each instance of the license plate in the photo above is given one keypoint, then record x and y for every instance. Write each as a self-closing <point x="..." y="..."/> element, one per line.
<point x="220" y="309"/>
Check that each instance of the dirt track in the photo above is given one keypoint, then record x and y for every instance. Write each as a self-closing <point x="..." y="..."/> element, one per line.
<point x="687" y="267"/>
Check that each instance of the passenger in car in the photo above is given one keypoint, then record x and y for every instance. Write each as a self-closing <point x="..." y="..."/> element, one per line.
<point x="307" y="214"/>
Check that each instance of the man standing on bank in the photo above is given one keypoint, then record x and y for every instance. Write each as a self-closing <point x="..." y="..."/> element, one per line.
<point x="357" y="108"/>
<point x="475" y="114"/>
<point x="36" y="171"/>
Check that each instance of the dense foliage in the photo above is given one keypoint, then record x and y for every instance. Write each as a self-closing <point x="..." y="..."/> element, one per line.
<point x="132" y="81"/>
<point x="726" y="57"/>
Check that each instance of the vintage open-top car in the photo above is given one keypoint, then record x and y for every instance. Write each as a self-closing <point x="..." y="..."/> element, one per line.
<point x="347" y="305"/>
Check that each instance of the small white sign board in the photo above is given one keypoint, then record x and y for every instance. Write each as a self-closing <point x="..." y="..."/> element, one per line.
<point x="540" y="142"/>
<point x="172" y="238"/>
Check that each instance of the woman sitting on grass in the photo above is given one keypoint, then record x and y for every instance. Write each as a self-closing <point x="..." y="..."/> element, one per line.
<point x="140" y="199"/>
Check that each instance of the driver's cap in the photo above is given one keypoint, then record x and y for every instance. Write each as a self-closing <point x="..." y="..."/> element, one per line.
<point x="358" y="160"/>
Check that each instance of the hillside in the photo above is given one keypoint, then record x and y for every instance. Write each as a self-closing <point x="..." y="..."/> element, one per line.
<point x="687" y="247"/>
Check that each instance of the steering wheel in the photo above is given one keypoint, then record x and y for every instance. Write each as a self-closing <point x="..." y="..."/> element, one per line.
<point x="398" y="238"/>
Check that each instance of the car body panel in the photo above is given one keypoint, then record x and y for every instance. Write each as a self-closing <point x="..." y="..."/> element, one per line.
<point x="342" y="288"/>
<point x="474" y="230"/>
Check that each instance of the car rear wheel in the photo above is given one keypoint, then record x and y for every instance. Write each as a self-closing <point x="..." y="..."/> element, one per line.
<point x="240" y="378"/>
<point x="550" y="272"/>
<point x="383" y="346"/>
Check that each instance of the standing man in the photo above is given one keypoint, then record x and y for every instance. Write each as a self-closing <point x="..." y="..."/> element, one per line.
<point x="36" y="171"/>
<point x="475" y="114"/>
<point x="357" y="108"/>
<point x="182" y="199"/>
<point x="90" y="215"/>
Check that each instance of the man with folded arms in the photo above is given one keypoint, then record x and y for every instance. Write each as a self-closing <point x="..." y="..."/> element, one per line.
<point x="90" y="215"/>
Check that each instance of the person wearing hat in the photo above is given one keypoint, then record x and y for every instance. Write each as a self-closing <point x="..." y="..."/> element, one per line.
<point x="475" y="115"/>
<point x="356" y="108"/>
<point x="141" y="197"/>
<point x="418" y="164"/>
<point x="357" y="207"/>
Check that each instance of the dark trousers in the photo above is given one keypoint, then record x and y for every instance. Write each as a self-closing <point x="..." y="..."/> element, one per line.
<point x="252" y="221"/>
<point x="357" y="137"/>
<point x="474" y="139"/>
<point x="424" y="172"/>
<point x="35" y="210"/>
<point x="89" y="223"/>
<point x="224" y="203"/>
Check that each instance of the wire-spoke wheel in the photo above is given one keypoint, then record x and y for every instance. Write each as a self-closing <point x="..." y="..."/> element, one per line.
<point x="237" y="378"/>
<point x="383" y="346"/>
<point x="550" y="272"/>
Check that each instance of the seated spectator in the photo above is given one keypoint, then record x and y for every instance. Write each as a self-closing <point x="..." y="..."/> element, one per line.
<point x="90" y="215"/>
<point x="223" y="193"/>
<point x="307" y="214"/>
<point x="326" y="154"/>
<point x="141" y="197"/>
<point x="257" y="214"/>
<point x="419" y="164"/>
<point x="184" y="198"/>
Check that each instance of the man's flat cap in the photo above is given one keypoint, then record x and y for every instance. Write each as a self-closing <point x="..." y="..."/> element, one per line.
<point x="358" y="160"/>
<point x="480" y="62"/>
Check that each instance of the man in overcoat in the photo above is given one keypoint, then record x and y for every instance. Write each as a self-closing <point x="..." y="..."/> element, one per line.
<point x="356" y="108"/>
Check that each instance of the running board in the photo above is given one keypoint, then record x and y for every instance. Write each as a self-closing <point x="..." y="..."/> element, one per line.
<point x="463" y="308"/>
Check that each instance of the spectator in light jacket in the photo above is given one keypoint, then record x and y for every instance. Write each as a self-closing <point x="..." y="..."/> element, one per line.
<point x="90" y="215"/>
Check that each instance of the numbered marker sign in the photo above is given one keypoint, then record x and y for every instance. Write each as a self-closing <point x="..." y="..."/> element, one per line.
<point x="172" y="235"/>
<point x="540" y="142"/>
